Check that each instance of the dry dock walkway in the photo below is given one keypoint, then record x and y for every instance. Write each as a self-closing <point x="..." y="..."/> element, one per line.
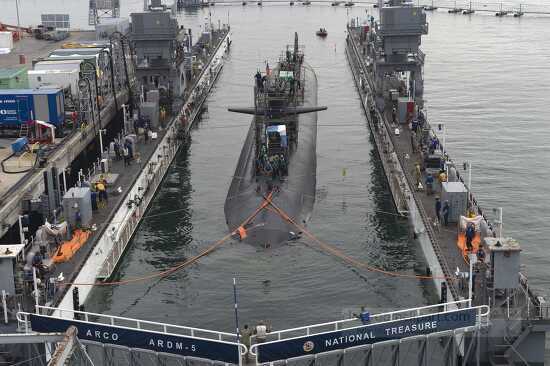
<point x="127" y="175"/>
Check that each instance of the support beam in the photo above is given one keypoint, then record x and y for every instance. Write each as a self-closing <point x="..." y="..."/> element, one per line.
<point x="30" y="338"/>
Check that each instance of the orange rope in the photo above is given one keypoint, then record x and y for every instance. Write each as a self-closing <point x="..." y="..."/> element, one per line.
<point x="347" y="258"/>
<point x="169" y="271"/>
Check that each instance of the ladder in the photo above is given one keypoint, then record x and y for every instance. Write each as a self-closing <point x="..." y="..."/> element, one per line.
<point x="24" y="130"/>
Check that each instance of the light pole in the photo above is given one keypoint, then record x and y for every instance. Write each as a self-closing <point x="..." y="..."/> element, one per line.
<point x="471" y="258"/>
<point x="499" y="222"/>
<point x="442" y="127"/>
<point x="101" y="132"/>
<point x="125" y="119"/>
<point x="468" y="165"/>
<point x="18" y="22"/>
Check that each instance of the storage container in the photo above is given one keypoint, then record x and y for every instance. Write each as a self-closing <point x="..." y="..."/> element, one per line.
<point x="6" y="41"/>
<point x="14" y="78"/>
<point x="66" y="65"/>
<point x="457" y="196"/>
<point x="64" y="79"/>
<point x="19" y="106"/>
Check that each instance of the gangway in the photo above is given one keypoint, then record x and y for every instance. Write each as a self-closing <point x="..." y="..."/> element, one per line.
<point x="208" y="345"/>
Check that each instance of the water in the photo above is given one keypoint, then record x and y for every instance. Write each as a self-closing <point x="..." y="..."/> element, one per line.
<point x="486" y="78"/>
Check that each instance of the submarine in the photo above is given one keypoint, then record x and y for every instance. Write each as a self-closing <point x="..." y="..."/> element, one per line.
<point x="278" y="159"/>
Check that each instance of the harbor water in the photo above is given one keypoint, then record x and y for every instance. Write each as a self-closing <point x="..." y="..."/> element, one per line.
<point x="486" y="78"/>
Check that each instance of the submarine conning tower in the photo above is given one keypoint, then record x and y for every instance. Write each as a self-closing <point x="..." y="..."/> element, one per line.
<point x="276" y="96"/>
<point x="395" y="46"/>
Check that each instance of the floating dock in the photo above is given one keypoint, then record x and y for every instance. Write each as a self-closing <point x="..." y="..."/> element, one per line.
<point x="405" y="153"/>
<point x="131" y="184"/>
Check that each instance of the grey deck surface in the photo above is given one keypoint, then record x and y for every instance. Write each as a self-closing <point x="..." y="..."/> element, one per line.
<point x="35" y="48"/>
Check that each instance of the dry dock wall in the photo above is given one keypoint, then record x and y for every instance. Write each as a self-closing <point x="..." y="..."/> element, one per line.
<point x="395" y="175"/>
<point x="118" y="233"/>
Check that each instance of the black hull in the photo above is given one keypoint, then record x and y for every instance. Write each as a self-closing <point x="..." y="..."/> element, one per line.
<point x="296" y="194"/>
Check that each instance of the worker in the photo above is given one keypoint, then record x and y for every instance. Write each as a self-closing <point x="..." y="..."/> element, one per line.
<point x="417" y="176"/>
<point x="480" y="254"/>
<point x="429" y="184"/>
<point x="282" y="162"/>
<point x="445" y="211"/>
<point x="102" y="193"/>
<point x="437" y="209"/>
<point x="246" y="333"/>
<point x="126" y="155"/>
<point x="470" y="233"/>
<point x="442" y="177"/>
<point x="394" y="115"/>
<point x="259" y="83"/>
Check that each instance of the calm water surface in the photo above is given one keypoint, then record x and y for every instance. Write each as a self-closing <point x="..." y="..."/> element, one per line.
<point x="485" y="77"/>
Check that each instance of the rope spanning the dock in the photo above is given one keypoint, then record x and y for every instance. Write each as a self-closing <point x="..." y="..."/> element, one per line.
<point x="210" y="249"/>
<point x="354" y="262"/>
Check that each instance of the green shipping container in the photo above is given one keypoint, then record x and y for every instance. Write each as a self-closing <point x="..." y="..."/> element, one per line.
<point x="14" y="78"/>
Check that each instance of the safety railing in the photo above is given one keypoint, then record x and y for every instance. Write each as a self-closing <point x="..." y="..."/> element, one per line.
<point x="482" y="319"/>
<point x="126" y="323"/>
<point x="384" y="145"/>
<point x="373" y="319"/>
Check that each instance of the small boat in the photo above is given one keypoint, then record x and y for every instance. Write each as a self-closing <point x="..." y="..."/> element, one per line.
<point x="307" y="2"/>
<point x="322" y="32"/>
<point x="349" y="4"/>
<point x="291" y="3"/>
<point x="518" y="13"/>
<point x="469" y="10"/>
<point x="501" y="13"/>
<point x="455" y="10"/>
<point x="244" y="3"/>
<point x="335" y="3"/>
<point x="430" y="7"/>
<point x="260" y="3"/>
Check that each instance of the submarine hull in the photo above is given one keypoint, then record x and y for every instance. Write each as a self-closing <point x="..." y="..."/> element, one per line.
<point x="296" y="192"/>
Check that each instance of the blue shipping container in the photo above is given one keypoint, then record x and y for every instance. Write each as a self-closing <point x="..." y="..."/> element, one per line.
<point x="22" y="105"/>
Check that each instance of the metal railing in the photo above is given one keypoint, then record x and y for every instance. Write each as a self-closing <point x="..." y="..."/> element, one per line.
<point x="482" y="319"/>
<point x="126" y="323"/>
<point x="374" y="319"/>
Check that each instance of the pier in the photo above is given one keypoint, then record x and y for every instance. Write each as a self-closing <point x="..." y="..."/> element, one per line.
<point x="460" y="6"/>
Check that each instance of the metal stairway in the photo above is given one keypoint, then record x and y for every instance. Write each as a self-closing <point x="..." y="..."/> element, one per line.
<point x="506" y="352"/>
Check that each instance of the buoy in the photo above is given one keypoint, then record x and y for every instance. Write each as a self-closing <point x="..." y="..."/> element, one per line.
<point x="242" y="232"/>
